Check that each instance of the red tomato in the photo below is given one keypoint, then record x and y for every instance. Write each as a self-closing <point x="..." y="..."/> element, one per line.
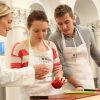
<point x="57" y="83"/>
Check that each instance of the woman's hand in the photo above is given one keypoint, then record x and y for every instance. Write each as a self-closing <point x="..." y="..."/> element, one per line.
<point x="62" y="79"/>
<point x="58" y="82"/>
<point x="41" y="70"/>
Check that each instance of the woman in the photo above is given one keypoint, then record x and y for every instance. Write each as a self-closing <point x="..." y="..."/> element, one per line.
<point x="36" y="51"/>
<point x="11" y="76"/>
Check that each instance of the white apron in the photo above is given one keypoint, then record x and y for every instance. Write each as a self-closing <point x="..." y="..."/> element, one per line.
<point x="77" y="59"/>
<point x="41" y="87"/>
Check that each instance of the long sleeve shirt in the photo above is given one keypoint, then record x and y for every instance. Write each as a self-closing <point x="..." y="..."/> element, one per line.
<point x="20" y="56"/>
<point x="88" y="37"/>
<point x="16" y="77"/>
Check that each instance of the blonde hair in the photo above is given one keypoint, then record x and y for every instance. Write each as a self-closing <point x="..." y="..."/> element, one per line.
<point x="4" y="9"/>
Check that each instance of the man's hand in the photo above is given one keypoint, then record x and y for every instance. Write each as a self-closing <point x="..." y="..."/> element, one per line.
<point x="79" y="88"/>
<point x="41" y="70"/>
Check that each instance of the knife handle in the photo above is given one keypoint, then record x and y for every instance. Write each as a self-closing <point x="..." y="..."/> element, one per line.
<point x="89" y="90"/>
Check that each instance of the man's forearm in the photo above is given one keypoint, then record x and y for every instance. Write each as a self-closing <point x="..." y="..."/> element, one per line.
<point x="74" y="82"/>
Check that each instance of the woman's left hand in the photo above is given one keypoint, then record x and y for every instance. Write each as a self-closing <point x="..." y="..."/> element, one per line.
<point x="58" y="82"/>
<point x="62" y="79"/>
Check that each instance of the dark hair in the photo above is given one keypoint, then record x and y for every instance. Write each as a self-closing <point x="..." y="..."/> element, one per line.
<point x="62" y="9"/>
<point x="36" y="15"/>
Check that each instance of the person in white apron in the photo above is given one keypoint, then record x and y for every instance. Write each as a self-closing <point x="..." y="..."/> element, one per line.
<point x="36" y="51"/>
<point x="78" y="60"/>
<point x="75" y="44"/>
<point x="41" y="87"/>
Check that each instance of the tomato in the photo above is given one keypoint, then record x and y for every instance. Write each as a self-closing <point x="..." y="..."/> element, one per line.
<point x="57" y="83"/>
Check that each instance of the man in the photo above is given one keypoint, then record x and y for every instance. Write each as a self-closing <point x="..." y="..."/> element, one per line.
<point x="75" y="44"/>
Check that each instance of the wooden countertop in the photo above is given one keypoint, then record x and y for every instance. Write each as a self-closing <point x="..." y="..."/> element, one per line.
<point x="66" y="96"/>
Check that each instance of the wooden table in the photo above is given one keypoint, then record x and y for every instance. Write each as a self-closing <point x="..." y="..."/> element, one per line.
<point x="97" y="97"/>
<point x="71" y="97"/>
